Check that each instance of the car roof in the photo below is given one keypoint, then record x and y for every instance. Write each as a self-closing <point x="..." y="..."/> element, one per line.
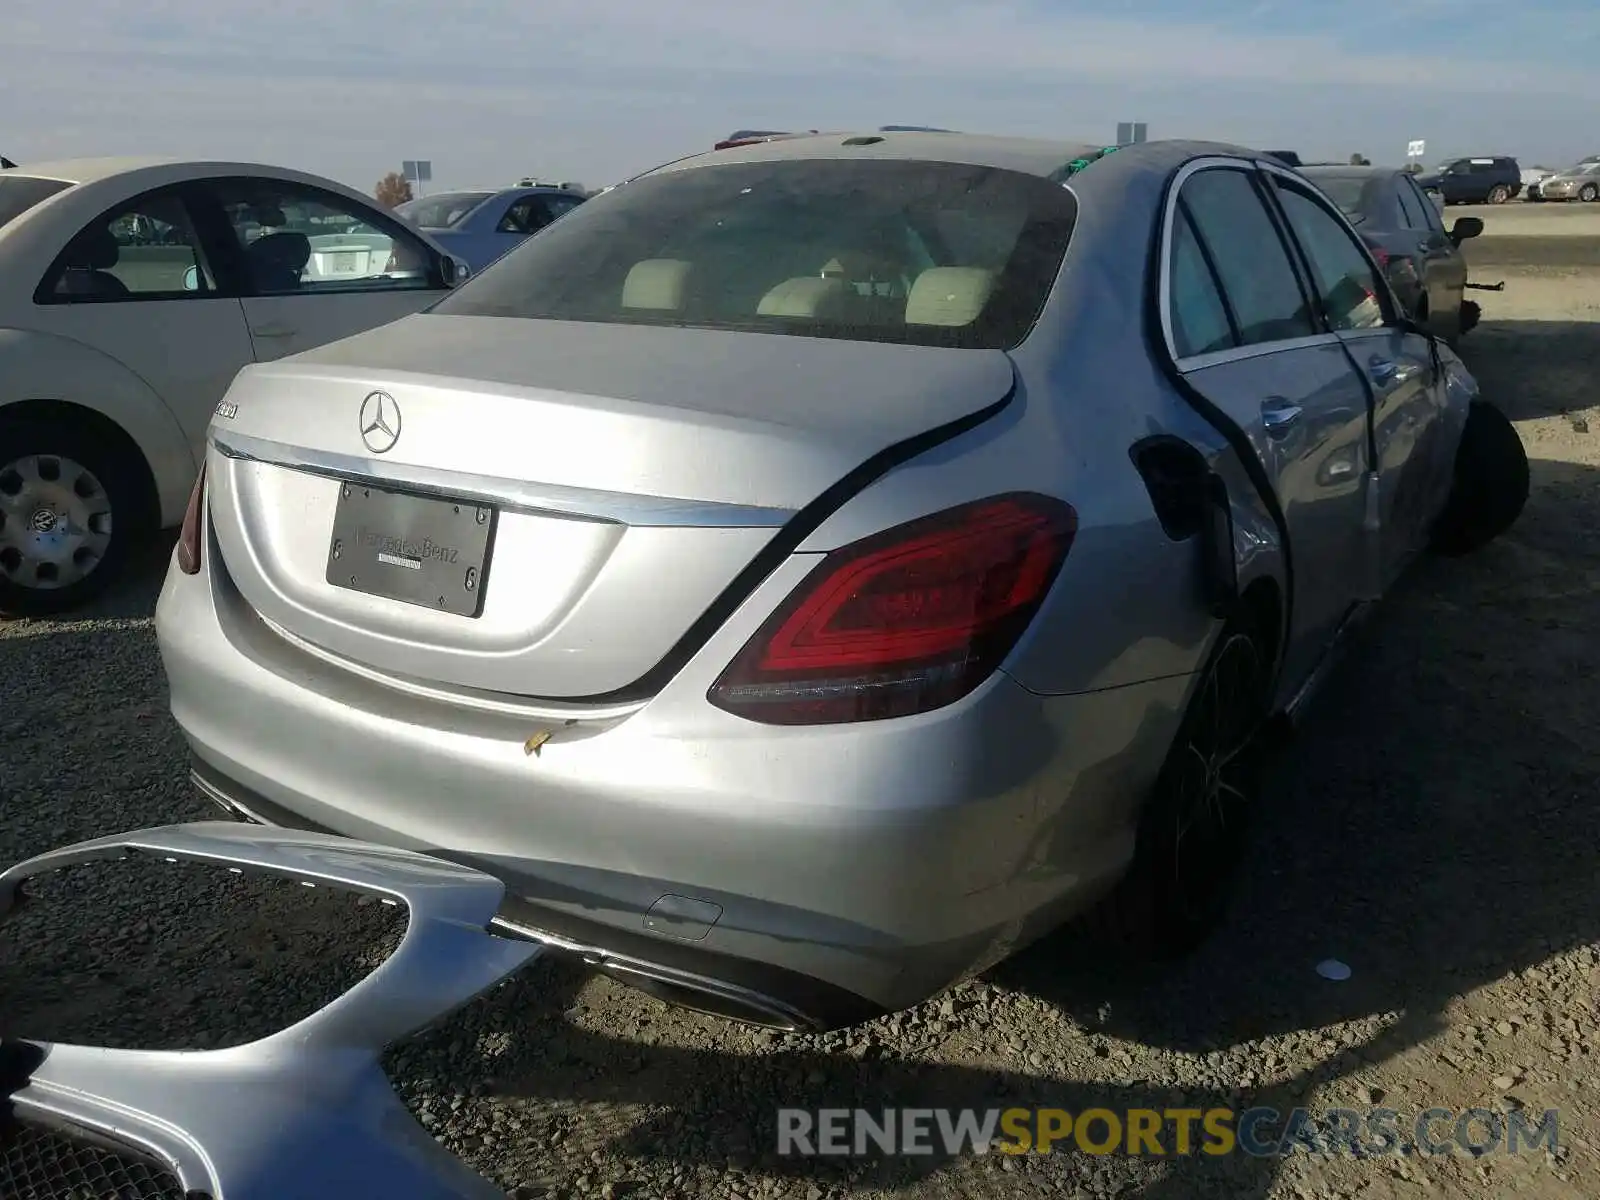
<point x="90" y="170"/>
<point x="85" y="171"/>
<point x="1032" y="156"/>
<point x="1339" y="171"/>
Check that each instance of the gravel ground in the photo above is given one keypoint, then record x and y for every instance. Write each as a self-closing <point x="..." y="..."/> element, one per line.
<point x="1435" y="828"/>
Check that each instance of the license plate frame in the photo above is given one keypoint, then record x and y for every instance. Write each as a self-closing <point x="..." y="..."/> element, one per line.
<point x="426" y="550"/>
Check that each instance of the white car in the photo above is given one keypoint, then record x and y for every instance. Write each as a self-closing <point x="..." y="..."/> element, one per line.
<point x="131" y="293"/>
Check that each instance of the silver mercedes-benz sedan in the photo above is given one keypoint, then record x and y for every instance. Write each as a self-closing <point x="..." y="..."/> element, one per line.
<point x="808" y="572"/>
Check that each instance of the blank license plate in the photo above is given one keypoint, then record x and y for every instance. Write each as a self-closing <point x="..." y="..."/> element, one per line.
<point x="415" y="549"/>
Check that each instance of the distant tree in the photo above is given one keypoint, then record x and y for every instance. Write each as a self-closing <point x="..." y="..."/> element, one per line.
<point x="394" y="188"/>
<point x="1357" y="160"/>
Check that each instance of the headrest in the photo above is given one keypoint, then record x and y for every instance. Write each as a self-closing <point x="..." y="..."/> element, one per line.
<point x="291" y="251"/>
<point x="806" y="296"/>
<point x="94" y="249"/>
<point x="656" y="283"/>
<point x="857" y="265"/>
<point x="949" y="296"/>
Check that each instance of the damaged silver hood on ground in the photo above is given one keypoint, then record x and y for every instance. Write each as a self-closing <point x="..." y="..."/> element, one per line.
<point x="306" y="1112"/>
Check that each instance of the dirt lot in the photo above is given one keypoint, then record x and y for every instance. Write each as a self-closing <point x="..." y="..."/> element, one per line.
<point x="1436" y="829"/>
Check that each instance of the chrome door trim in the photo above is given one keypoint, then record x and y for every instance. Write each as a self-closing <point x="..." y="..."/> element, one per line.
<point x="1199" y="362"/>
<point x="620" y="508"/>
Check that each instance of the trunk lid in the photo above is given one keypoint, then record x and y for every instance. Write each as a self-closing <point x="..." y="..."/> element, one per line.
<point x="632" y="471"/>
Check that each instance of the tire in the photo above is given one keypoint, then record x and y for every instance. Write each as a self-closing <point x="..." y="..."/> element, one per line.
<point x="70" y="506"/>
<point x="1491" y="483"/>
<point x="1589" y="194"/>
<point x="1174" y="895"/>
<point x="1499" y="194"/>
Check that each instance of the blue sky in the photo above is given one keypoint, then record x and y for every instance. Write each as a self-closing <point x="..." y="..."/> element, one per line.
<point x="594" y="90"/>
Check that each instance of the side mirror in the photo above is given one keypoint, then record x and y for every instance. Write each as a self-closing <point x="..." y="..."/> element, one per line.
<point x="191" y="278"/>
<point x="455" y="271"/>
<point x="1465" y="228"/>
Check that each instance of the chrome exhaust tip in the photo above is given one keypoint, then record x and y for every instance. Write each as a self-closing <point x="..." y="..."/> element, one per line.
<point x="744" y="1007"/>
<point x="679" y="989"/>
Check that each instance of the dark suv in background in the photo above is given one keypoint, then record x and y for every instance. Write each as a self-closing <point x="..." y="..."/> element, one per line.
<point x="1486" y="180"/>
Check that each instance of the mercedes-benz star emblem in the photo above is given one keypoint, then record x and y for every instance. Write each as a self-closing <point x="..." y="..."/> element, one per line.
<point x="380" y="422"/>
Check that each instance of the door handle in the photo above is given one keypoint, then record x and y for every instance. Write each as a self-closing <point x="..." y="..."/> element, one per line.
<point x="1279" y="416"/>
<point x="1383" y="371"/>
<point x="274" y="331"/>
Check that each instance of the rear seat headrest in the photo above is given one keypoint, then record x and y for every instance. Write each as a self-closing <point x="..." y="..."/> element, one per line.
<point x="95" y="249"/>
<point x="949" y="296"/>
<point x="656" y="283"/>
<point x="806" y="296"/>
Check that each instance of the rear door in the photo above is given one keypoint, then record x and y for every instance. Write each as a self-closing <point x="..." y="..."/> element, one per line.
<point x="1456" y="183"/>
<point x="315" y="266"/>
<point x="1246" y="336"/>
<point x="1446" y="266"/>
<point x="1440" y="267"/>
<point x="1484" y="175"/>
<point x="1408" y="401"/>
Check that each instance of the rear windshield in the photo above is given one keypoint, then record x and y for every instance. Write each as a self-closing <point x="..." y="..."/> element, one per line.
<point x="19" y="193"/>
<point x="1349" y="192"/>
<point x="880" y="251"/>
<point x="441" y="211"/>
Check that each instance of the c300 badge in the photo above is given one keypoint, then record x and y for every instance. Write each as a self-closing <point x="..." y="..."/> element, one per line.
<point x="227" y="410"/>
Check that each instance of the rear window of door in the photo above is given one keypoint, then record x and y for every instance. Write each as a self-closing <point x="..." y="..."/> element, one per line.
<point x="1430" y="211"/>
<point x="1410" y="208"/>
<point x="1201" y="322"/>
<point x="1347" y="287"/>
<point x="144" y="249"/>
<point x="1242" y="242"/>
<point x="527" y="215"/>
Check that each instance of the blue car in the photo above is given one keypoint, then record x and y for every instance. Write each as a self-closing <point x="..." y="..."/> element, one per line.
<point x="479" y="226"/>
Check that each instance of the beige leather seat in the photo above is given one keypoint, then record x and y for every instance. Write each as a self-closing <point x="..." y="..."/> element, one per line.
<point x="949" y="296"/>
<point x="808" y="296"/>
<point x="656" y="283"/>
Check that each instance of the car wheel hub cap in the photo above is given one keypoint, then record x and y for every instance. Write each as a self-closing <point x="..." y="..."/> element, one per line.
<point x="55" y="521"/>
<point x="1213" y="780"/>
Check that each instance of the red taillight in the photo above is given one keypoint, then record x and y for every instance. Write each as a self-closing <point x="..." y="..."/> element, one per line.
<point x="1379" y="253"/>
<point x="905" y="621"/>
<point x="189" y="535"/>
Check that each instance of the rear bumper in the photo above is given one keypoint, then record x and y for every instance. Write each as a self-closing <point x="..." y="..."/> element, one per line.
<point x="754" y="992"/>
<point x="830" y="874"/>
